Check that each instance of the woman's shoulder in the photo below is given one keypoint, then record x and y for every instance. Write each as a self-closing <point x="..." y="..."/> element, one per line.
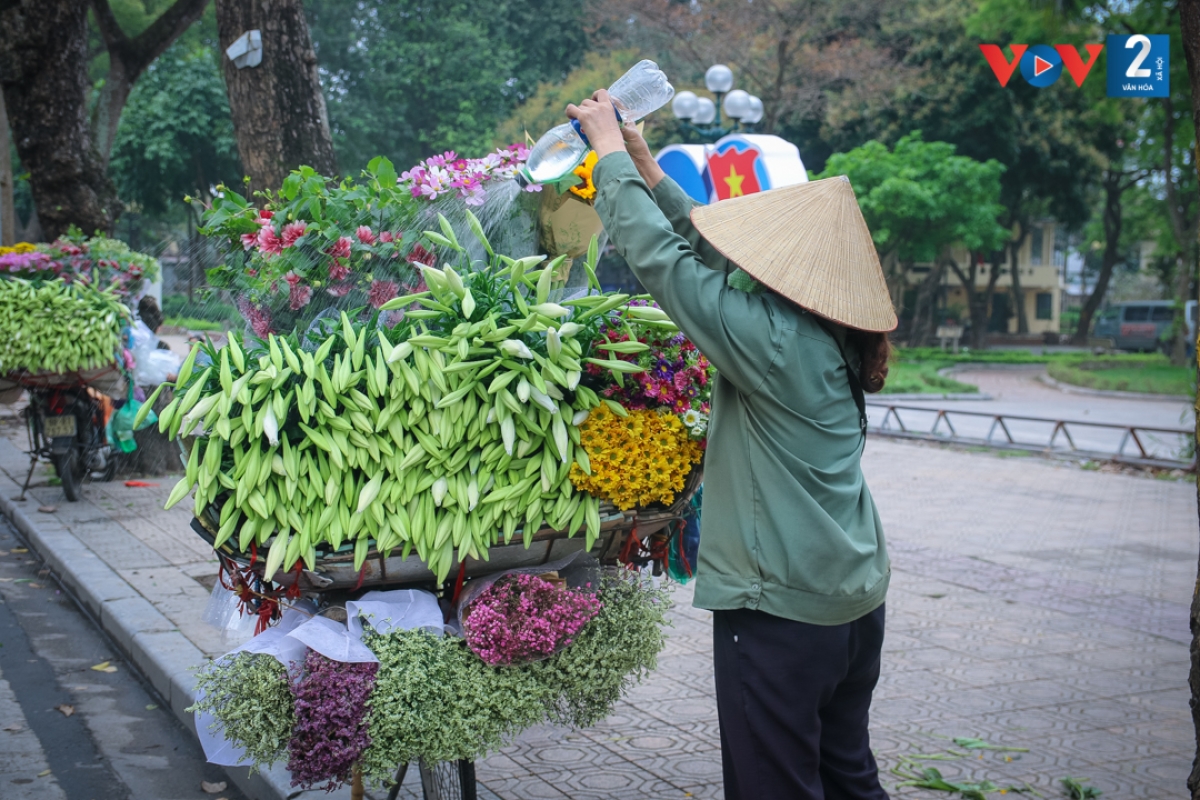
<point x="792" y="319"/>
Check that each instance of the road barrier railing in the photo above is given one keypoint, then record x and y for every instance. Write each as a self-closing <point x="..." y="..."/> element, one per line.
<point x="1172" y="448"/>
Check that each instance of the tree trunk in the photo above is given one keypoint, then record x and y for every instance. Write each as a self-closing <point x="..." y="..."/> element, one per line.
<point x="1113" y="221"/>
<point x="279" y="114"/>
<point x="129" y="58"/>
<point x="1189" y="23"/>
<point x="920" y="330"/>
<point x="1183" y="289"/>
<point x="43" y="74"/>
<point x="8" y="214"/>
<point x="1015" y="268"/>
<point x="977" y="302"/>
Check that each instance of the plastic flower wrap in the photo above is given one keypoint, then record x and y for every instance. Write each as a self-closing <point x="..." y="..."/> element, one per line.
<point x="316" y="245"/>
<point x="642" y="458"/>
<point x="522" y="618"/>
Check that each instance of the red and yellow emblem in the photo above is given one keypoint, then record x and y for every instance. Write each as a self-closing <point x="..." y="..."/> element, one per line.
<point x="733" y="170"/>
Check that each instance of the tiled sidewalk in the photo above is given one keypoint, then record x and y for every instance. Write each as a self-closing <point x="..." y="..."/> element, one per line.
<point x="1033" y="605"/>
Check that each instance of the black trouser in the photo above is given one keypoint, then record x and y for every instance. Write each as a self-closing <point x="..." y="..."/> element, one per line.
<point x="793" y="701"/>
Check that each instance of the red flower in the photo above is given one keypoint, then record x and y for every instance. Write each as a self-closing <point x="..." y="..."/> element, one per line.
<point x="338" y="272"/>
<point x="340" y="290"/>
<point x="292" y="232"/>
<point x="299" y="296"/>
<point x="264" y="214"/>
<point x="340" y="248"/>
<point x="364" y="235"/>
<point x="269" y="242"/>
<point x="249" y="240"/>
<point x="382" y="291"/>
<point x="388" y="236"/>
<point x="259" y="321"/>
<point x="420" y="255"/>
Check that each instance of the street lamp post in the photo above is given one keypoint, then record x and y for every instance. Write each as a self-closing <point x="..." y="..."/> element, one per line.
<point x="700" y="117"/>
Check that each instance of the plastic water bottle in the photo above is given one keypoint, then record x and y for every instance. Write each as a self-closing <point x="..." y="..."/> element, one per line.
<point x="640" y="91"/>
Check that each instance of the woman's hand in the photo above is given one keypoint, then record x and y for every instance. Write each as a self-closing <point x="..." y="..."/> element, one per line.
<point x="599" y="122"/>
<point x="643" y="159"/>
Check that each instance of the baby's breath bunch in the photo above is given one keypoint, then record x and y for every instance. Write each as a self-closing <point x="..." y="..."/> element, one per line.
<point x="248" y="695"/>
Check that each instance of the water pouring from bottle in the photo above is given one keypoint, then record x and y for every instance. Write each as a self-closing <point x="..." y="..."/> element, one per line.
<point x="642" y="90"/>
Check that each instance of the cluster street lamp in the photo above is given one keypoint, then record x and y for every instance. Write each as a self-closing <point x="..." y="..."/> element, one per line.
<point x="700" y="117"/>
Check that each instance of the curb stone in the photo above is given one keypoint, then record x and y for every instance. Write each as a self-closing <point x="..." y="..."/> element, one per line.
<point x="164" y="656"/>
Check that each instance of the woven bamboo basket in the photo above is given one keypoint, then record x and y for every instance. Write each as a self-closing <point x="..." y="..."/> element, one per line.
<point x="335" y="570"/>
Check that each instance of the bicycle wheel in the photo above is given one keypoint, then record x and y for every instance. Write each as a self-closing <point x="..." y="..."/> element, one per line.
<point x="448" y="780"/>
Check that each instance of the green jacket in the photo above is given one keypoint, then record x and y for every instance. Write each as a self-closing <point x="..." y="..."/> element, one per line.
<point x="788" y="524"/>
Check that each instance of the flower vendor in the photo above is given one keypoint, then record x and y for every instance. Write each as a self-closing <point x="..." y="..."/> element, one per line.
<point x="782" y="291"/>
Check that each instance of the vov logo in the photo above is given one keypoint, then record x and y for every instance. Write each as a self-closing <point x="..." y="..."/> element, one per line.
<point x="1041" y="65"/>
<point x="1138" y="65"/>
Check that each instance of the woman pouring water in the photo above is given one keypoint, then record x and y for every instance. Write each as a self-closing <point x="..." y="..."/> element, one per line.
<point x="783" y="292"/>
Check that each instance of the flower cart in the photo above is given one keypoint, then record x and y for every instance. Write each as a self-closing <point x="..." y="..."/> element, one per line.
<point x="467" y="439"/>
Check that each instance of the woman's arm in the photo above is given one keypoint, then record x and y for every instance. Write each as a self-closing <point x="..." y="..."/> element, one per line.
<point x="675" y="204"/>
<point x="735" y="330"/>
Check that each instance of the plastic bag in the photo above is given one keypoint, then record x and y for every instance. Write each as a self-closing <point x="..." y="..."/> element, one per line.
<point x="224" y="612"/>
<point x="685" y="544"/>
<point x="400" y="609"/>
<point x="120" y="425"/>
<point x="151" y="365"/>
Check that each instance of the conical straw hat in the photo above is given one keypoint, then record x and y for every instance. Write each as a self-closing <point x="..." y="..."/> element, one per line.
<point x="809" y="243"/>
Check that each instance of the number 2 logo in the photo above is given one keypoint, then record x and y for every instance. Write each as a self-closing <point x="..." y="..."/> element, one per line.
<point x="1136" y="70"/>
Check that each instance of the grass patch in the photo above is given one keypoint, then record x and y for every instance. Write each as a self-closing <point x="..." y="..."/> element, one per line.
<point x="1150" y="377"/>
<point x="193" y="324"/>
<point x="944" y="358"/>
<point x="921" y="377"/>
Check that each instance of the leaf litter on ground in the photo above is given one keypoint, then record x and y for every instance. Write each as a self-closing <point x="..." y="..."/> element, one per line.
<point x="915" y="774"/>
<point x="1076" y="789"/>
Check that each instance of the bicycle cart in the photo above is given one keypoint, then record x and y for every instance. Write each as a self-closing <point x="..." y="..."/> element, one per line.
<point x="635" y="538"/>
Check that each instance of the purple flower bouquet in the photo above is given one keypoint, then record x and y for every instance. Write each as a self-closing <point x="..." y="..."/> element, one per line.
<point x="330" y="734"/>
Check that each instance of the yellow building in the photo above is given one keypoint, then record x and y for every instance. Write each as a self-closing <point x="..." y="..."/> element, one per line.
<point x="1040" y="261"/>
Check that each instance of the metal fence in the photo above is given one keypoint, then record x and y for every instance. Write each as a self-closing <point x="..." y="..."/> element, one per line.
<point x="1133" y="444"/>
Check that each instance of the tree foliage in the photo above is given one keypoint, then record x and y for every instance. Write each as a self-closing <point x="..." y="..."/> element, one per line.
<point x="176" y="135"/>
<point x="921" y="197"/>
<point x="408" y="79"/>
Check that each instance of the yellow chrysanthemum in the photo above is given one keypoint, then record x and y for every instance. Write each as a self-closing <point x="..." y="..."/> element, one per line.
<point x="587" y="189"/>
<point x="636" y="460"/>
<point x="19" y="248"/>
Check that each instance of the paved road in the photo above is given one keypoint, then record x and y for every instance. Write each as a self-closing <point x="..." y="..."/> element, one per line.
<point x="1019" y="392"/>
<point x="117" y="742"/>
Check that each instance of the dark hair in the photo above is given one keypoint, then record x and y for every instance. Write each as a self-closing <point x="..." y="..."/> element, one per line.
<point x="874" y="350"/>
<point x="149" y="313"/>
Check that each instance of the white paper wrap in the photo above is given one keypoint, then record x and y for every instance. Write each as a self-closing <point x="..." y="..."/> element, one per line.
<point x="332" y="640"/>
<point x="402" y="609"/>
<point x="298" y="631"/>
<point x="275" y="642"/>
